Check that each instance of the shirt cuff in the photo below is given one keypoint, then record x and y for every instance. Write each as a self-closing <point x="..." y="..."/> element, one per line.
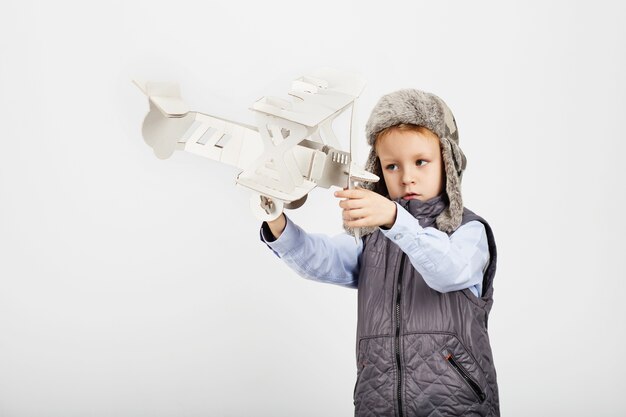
<point x="405" y="233"/>
<point x="404" y="226"/>
<point x="289" y="239"/>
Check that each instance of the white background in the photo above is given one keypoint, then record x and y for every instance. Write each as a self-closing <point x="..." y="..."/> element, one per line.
<point x="133" y="286"/>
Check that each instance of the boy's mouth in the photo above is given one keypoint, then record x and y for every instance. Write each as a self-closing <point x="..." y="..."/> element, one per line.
<point x="410" y="196"/>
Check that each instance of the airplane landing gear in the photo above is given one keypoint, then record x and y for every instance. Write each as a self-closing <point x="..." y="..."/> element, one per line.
<point x="265" y="208"/>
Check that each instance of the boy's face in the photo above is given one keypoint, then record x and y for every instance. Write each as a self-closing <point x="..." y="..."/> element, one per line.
<point x="411" y="164"/>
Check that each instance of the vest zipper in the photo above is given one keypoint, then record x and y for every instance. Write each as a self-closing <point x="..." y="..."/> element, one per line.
<point x="397" y="339"/>
<point x="466" y="377"/>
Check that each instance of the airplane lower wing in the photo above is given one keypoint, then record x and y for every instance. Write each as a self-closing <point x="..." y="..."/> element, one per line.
<point x="221" y="140"/>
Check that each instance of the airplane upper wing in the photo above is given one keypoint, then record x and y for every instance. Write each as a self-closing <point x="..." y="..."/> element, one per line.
<point x="318" y="96"/>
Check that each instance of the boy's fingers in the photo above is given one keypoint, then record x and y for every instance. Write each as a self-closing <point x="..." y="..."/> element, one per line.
<point x="350" y="204"/>
<point x="354" y="214"/>
<point x="349" y="193"/>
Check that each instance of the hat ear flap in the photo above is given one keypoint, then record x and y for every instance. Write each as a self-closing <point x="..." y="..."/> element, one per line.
<point x="460" y="162"/>
<point x="450" y="219"/>
<point x="373" y="165"/>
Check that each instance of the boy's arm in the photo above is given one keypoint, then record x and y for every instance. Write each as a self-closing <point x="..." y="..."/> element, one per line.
<point x="318" y="257"/>
<point x="447" y="263"/>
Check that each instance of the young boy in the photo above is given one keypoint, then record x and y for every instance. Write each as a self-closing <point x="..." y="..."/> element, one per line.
<point x="424" y="268"/>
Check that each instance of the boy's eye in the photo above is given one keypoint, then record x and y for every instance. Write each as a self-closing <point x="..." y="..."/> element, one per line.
<point x="391" y="167"/>
<point x="419" y="164"/>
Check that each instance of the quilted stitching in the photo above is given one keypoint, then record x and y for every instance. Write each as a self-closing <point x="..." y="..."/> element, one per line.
<point x="433" y="389"/>
<point x="374" y="394"/>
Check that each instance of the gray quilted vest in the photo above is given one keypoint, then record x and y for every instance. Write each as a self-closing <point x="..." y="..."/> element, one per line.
<point x="421" y="352"/>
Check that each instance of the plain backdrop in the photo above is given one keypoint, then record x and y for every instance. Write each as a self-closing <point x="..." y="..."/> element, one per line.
<point x="133" y="286"/>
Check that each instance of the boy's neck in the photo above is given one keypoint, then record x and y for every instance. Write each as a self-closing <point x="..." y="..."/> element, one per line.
<point x="429" y="208"/>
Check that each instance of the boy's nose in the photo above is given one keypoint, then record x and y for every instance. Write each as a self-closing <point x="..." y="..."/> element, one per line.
<point x="408" y="178"/>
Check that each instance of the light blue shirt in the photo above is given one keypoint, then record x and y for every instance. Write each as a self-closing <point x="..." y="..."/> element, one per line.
<point x="447" y="263"/>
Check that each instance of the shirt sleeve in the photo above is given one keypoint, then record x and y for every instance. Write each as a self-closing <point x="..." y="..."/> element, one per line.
<point x="318" y="257"/>
<point x="447" y="263"/>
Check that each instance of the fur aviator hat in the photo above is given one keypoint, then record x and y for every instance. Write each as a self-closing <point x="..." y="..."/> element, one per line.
<point x="420" y="108"/>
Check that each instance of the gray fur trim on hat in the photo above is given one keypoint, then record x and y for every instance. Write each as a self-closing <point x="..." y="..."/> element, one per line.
<point x="420" y="108"/>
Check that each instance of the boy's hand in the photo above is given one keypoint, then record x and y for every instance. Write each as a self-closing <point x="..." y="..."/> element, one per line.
<point x="362" y="208"/>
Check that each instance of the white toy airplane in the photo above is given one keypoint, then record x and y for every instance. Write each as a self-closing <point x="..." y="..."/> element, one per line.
<point x="292" y="149"/>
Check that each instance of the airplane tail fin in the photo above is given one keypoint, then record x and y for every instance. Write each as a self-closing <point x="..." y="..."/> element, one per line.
<point x="165" y="123"/>
<point x="165" y="96"/>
